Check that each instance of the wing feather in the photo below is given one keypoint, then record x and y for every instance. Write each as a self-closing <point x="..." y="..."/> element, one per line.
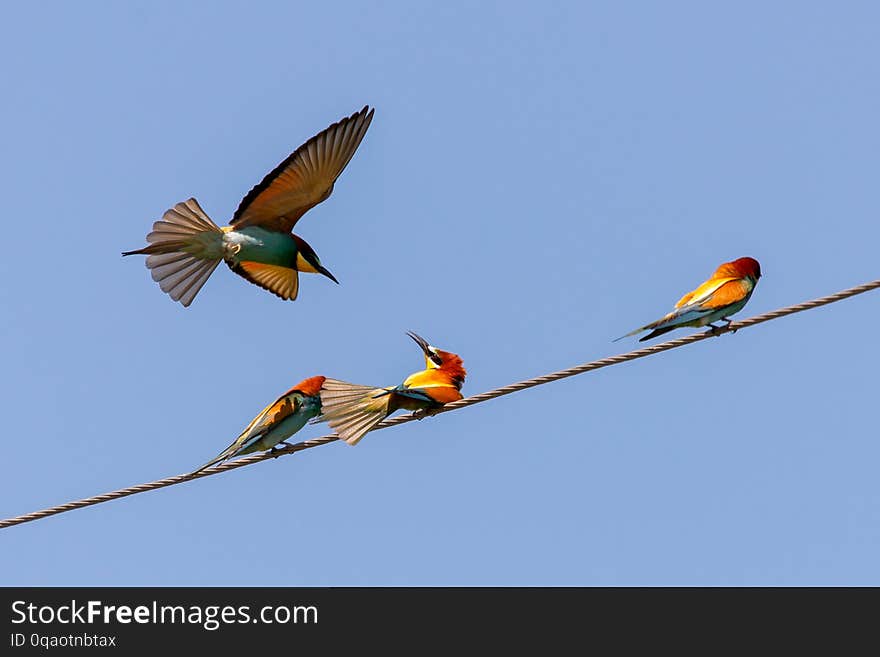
<point x="305" y="178"/>
<point x="728" y="292"/>
<point x="703" y="292"/>
<point x="281" y="408"/>
<point x="731" y="292"/>
<point x="283" y="282"/>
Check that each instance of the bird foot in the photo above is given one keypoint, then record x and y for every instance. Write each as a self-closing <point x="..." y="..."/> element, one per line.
<point x="427" y="412"/>
<point x="718" y="330"/>
<point x="276" y="451"/>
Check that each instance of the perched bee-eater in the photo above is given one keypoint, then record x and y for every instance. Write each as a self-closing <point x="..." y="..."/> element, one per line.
<point x="185" y="246"/>
<point x="725" y="293"/>
<point x="352" y="410"/>
<point x="277" y="422"/>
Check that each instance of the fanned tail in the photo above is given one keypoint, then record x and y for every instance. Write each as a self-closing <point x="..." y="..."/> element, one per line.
<point x="352" y="410"/>
<point x="185" y="247"/>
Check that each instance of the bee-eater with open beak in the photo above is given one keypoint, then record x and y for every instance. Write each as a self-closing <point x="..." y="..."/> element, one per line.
<point x="353" y="410"/>
<point x="185" y="246"/>
<point x="726" y="292"/>
<point x="277" y="422"/>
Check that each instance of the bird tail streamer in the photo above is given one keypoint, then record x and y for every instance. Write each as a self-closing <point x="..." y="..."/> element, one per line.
<point x="226" y="453"/>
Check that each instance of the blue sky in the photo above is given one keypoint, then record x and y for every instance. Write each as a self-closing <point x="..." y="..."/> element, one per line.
<point x="537" y="181"/>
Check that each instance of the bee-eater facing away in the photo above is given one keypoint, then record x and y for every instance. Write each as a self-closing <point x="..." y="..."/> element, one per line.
<point x="352" y="410"/>
<point x="185" y="246"/>
<point x="277" y="422"/>
<point x="725" y="293"/>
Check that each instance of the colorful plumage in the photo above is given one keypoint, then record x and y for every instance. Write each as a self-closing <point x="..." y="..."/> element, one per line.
<point x="185" y="246"/>
<point x="277" y="422"/>
<point x="353" y="410"/>
<point x="726" y="292"/>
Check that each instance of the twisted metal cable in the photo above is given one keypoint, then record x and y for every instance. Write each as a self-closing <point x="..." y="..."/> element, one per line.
<point x="287" y="448"/>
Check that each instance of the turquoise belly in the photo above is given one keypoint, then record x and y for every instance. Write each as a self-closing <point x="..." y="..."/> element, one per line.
<point x="266" y="246"/>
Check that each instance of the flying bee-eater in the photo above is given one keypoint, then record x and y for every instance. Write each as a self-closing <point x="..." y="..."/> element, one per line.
<point x="185" y="246"/>
<point x="353" y="410"/>
<point x="726" y="292"/>
<point x="277" y="422"/>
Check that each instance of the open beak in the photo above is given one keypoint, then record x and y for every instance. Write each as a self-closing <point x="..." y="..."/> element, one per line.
<point x="419" y="340"/>
<point x="326" y="272"/>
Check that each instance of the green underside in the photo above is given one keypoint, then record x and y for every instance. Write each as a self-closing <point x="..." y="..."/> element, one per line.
<point x="265" y="246"/>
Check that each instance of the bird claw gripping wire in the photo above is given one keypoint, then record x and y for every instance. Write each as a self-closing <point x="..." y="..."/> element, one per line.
<point x="719" y="330"/>
<point x="427" y="412"/>
<point x="277" y="451"/>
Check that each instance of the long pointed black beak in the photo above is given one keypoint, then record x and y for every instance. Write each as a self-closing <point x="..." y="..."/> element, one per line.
<point x="326" y="272"/>
<point x="419" y="340"/>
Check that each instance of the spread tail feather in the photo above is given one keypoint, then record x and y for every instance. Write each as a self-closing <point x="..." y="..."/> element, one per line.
<point x="184" y="249"/>
<point x="352" y="410"/>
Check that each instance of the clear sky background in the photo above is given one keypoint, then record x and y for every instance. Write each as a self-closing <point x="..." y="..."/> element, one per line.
<point x="539" y="178"/>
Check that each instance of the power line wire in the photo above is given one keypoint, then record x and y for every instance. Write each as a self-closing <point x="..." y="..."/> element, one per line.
<point x="287" y="448"/>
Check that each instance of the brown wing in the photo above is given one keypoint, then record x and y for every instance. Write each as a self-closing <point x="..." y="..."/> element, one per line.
<point x="281" y="281"/>
<point x="305" y="178"/>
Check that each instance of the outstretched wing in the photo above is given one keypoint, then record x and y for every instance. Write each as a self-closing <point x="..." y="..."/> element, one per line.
<point x="283" y="282"/>
<point x="305" y="178"/>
